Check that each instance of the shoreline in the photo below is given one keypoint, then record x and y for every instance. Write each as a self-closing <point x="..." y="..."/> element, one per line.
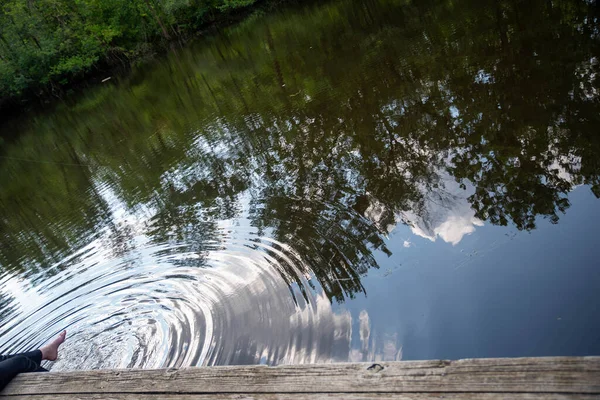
<point x="108" y="68"/>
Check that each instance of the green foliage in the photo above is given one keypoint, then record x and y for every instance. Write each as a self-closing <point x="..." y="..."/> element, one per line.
<point x="229" y="4"/>
<point x="49" y="42"/>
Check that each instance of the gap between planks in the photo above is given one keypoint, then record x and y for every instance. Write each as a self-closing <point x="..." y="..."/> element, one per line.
<point x="311" y="396"/>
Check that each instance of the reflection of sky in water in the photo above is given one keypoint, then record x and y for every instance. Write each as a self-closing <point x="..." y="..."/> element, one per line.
<point x="497" y="292"/>
<point x="467" y="295"/>
<point x="453" y="287"/>
<point x="446" y="213"/>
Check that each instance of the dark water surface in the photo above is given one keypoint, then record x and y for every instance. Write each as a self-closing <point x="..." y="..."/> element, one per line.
<point x="349" y="180"/>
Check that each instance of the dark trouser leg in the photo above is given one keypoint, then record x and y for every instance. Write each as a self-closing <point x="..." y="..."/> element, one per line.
<point x="12" y="365"/>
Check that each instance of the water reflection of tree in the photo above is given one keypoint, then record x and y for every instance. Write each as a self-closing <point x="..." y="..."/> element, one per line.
<point x="189" y="214"/>
<point x="525" y="109"/>
<point x="323" y="118"/>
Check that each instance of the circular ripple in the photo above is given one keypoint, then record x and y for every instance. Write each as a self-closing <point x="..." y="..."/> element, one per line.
<point x="241" y="299"/>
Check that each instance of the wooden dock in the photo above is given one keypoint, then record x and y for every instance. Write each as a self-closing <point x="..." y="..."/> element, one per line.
<point x="488" y="379"/>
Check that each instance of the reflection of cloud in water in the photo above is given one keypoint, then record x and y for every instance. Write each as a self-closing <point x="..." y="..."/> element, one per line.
<point x="565" y="165"/>
<point x="375" y="347"/>
<point x="365" y="329"/>
<point x="155" y="306"/>
<point x="445" y="212"/>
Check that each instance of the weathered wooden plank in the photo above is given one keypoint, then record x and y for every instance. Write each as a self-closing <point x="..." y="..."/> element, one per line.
<point x="312" y="396"/>
<point x="520" y="375"/>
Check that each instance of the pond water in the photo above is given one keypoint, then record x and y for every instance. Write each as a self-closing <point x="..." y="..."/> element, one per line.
<point x="342" y="181"/>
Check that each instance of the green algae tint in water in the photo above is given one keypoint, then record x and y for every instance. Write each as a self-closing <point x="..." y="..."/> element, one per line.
<point x="343" y="181"/>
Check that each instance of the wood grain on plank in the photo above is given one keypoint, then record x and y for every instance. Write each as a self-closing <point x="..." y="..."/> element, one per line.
<point x="519" y="375"/>
<point x="312" y="396"/>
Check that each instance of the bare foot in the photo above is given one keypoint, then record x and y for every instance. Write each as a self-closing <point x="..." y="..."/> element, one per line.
<point x="50" y="351"/>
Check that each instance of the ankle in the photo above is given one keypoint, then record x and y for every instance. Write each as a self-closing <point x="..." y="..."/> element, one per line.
<point x="44" y="352"/>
